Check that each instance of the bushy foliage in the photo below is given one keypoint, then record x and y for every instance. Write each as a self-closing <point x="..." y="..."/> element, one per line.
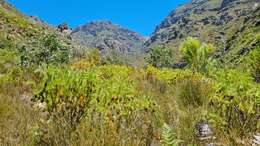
<point x="197" y="55"/>
<point x="104" y="98"/>
<point x="89" y="59"/>
<point x="160" y="56"/>
<point x="66" y="93"/>
<point x="252" y="63"/>
<point x="8" y="59"/>
<point x="49" y="50"/>
<point x="5" y="43"/>
<point x="236" y="101"/>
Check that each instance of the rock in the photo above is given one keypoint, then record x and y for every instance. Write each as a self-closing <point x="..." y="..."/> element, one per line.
<point x="256" y="140"/>
<point x="199" y="11"/>
<point x="2" y="2"/>
<point x="226" y="3"/>
<point x="37" y="20"/>
<point x="42" y="106"/>
<point x="210" y="20"/>
<point x="180" y="65"/>
<point x="204" y="131"/>
<point x="225" y="18"/>
<point x="63" y="27"/>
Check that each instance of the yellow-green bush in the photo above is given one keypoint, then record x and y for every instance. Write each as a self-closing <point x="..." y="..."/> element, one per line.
<point x="103" y="101"/>
<point x="251" y="63"/>
<point x="236" y="102"/>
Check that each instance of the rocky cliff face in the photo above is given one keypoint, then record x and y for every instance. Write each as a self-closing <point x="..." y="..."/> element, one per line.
<point x="107" y="36"/>
<point x="214" y="21"/>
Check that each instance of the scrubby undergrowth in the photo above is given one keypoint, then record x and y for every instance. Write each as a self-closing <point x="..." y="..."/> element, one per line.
<point x="120" y="105"/>
<point x="54" y="94"/>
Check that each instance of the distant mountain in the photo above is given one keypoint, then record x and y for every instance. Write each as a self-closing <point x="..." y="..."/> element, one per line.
<point x="107" y="36"/>
<point x="220" y="22"/>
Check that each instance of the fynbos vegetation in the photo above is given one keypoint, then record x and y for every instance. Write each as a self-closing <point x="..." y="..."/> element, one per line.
<point x="54" y="92"/>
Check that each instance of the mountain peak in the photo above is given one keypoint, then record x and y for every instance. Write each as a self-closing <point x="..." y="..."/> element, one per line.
<point x="100" y="23"/>
<point x="105" y="35"/>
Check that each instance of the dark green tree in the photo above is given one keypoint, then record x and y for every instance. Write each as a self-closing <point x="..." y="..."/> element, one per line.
<point x="160" y="56"/>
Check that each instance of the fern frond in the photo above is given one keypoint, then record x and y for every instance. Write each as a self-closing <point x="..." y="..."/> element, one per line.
<point x="169" y="138"/>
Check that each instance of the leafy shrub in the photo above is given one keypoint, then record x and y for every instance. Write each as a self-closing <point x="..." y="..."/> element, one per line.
<point x="5" y="43"/>
<point x="252" y="63"/>
<point x="168" y="76"/>
<point x="91" y="58"/>
<point x="160" y="56"/>
<point x="49" y="50"/>
<point x="100" y="101"/>
<point x="237" y="101"/>
<point x="8" y="59"/>
<point x="196" y="54"/>
<point x="67" y="93"/>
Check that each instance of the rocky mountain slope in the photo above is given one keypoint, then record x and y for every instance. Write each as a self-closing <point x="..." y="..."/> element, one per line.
<point x="223" y="23"/>
<point x="105" y="36"/>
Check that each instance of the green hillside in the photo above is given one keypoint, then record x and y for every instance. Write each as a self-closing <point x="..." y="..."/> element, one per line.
<point x="224" y="23"/>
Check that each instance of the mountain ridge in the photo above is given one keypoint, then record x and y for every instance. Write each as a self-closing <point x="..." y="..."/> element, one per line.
<point x="105" y="35"/>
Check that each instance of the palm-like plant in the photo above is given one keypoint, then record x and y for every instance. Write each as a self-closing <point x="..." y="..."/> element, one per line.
<point x="196" y="54"/>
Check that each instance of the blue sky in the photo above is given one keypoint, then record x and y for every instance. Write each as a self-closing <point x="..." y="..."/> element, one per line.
<point x="139" y="15"/>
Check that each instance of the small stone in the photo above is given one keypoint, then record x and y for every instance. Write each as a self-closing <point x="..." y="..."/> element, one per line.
<point x="256" y="140"/>
<point x="204" y="131"/>
<point x="40" y="105"/>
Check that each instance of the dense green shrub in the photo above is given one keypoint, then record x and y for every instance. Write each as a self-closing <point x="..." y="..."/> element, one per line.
<point x="95" y="100"/>
<point x="49" y="50"/>
<point x="89" y="59"/>
<point x="160" y="56"/>
<point x="8" y="59"/>
<point x="67" y="93"/>
<point x="236" y="101"/>
<point x="5" y="43"/>
<point x="252" y="63"/>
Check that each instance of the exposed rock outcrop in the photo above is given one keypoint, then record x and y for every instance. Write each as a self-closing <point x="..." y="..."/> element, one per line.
<point x="105" y="36"/>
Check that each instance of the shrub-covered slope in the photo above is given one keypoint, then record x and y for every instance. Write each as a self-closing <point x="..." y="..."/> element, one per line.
<point x="22" y="33"/>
